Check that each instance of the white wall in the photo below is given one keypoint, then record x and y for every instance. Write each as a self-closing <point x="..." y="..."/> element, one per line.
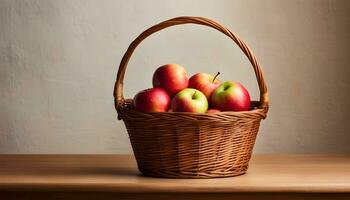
<point x="58" y="61"/>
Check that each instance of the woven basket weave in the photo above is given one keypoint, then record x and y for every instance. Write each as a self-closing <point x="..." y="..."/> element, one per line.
<point x="191" y="145"/>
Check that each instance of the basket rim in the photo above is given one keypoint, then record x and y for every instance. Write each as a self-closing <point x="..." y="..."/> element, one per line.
<point x="124" y="110"/>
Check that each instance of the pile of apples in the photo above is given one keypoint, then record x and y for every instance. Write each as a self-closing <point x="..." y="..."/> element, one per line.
<point x="173" y="91"/>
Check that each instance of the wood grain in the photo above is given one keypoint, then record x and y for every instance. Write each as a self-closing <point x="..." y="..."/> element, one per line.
<point x="118" y="173"/>
<point x="25" y="195"/>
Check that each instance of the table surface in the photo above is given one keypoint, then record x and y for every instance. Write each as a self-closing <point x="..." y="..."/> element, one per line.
<point x="118" y="173"/>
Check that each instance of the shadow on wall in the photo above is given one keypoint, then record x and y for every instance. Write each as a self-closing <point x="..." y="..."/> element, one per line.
<point x="308" y="75"/>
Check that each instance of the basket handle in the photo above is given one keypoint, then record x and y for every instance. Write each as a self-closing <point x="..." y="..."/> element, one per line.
<point x="118" y="88"/>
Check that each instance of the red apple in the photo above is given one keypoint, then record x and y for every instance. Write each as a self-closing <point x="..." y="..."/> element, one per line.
<point x="190" y="100"/>
<point x="152" y="100"/>
<point x="231" y="96"/>
<point x="213" y="110"/>
<point x="171" y="77"/>
<point x="206" y="83"/>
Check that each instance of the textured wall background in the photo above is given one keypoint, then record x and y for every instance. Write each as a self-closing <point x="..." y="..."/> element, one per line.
<point x="58" y="61"/>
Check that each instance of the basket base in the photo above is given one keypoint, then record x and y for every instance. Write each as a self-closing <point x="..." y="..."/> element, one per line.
<point x="192" y="175"/>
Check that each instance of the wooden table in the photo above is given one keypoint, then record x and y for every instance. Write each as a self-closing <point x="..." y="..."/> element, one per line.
<point x="116" y="177"/>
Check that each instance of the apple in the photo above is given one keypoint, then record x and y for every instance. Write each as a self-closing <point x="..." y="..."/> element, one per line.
<point x="230" y="96"/>
<point x="206" y="83"/>
<point x="189" y="100"/>
<point x="213" y="110"/>
<point x="171" y="77"/>
<point x="152" y="100"/>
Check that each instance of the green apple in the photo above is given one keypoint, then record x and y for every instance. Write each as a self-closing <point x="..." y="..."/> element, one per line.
<point x="190" y="100"/>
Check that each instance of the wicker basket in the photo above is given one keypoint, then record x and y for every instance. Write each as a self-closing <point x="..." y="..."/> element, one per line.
<point x="191" y="145"/>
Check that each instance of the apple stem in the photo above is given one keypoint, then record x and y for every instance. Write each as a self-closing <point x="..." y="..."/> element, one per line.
<point x="194" y="94"/>
<point x="216" y="76"/>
